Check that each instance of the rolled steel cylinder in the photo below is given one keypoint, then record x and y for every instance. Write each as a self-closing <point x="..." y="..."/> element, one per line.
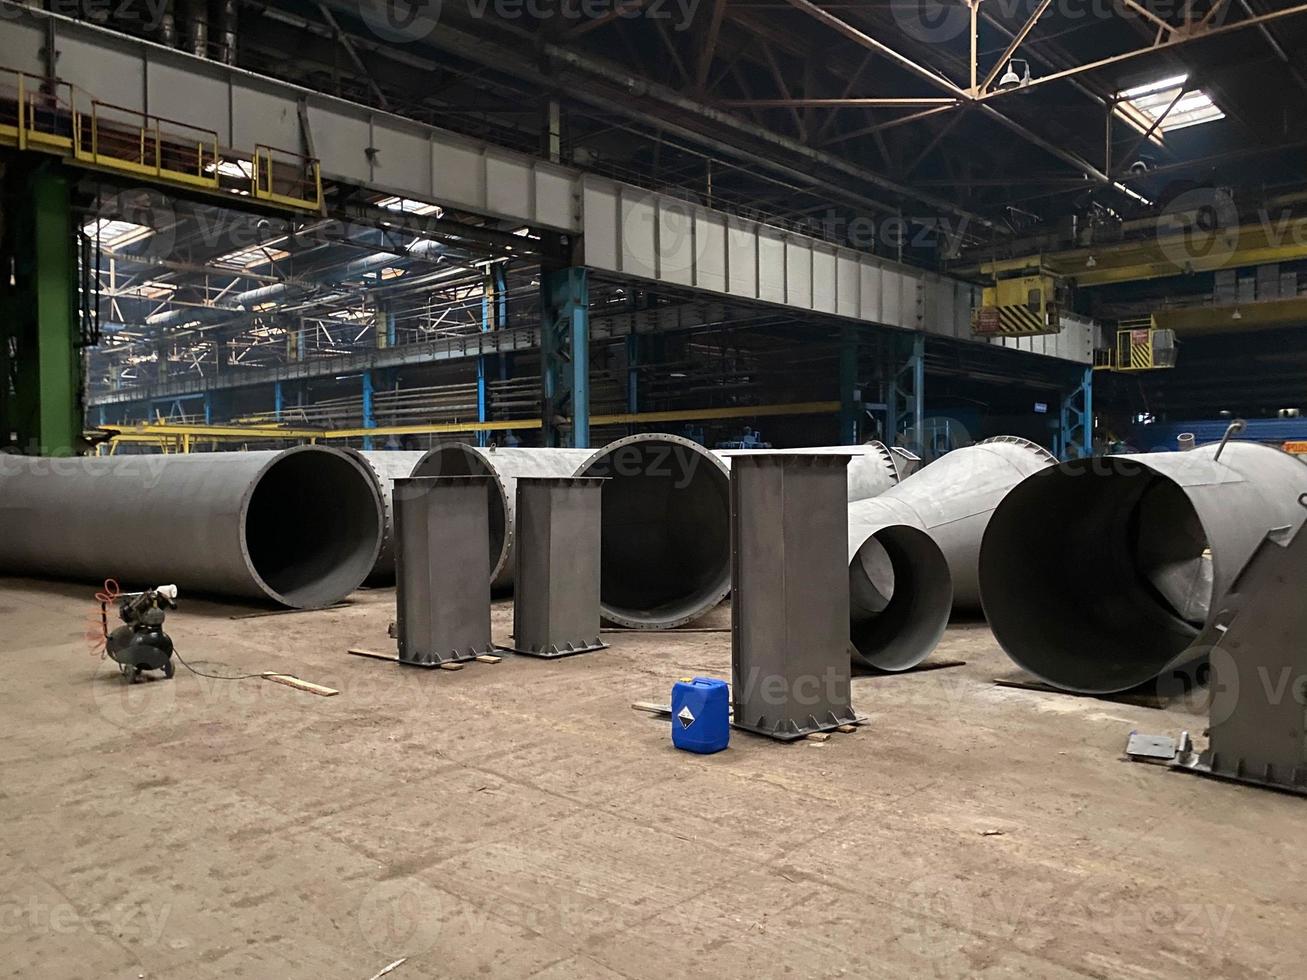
<point x="914" y="550"/>
<point x="503" y="466"/>
<point x="1102" y="574"/>
<point x="301" y="527"/>
<point x="873" y="466"/>
<point x="666" y="531"/>
<point x="387" y="466"/>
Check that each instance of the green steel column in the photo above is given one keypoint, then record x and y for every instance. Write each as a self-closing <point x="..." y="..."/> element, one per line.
<point x="43" y="412"/>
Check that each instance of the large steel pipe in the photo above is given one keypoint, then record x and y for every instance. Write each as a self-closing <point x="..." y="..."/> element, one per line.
<point x="1099" y="575"/>
<point x="873" y="466"/>
<point x="503" y="466"/>
<point x="387" y="466"/>
<point x="913" y="551"/>
<point x="301" y="527"/>
<point x="666" y="541"/>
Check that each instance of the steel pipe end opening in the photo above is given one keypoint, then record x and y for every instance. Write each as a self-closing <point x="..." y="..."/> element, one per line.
<point x="458" y="459"/>
<point x="666" y="530"/>
<point x="1095" y="575"/>
<point x="900" y="595"/>
<point x="312" y="525"/>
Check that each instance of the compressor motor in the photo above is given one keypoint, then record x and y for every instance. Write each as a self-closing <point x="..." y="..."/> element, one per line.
<point x="140" y="643"/>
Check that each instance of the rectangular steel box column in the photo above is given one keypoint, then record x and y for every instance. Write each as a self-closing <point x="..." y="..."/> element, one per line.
<point x="556" y="583"/>
<point x="790" y="598"/>
<point x="442" y="565"/>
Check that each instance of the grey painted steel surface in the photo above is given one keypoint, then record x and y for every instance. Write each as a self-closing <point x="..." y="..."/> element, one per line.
<point x="1080" y="562"/>
<point x="556" y="581"/>
<point x="902" y="594"/>
<point x="442" y="569"/>
<point x="790" y="608"/>
<point x="873" y="466"/>
<point x="503" y="467"/>
<point x="301" y="527"/>
<point x="1258" y="726"/>
<point x="666" y="530"/>
<point x="386" y="467"/>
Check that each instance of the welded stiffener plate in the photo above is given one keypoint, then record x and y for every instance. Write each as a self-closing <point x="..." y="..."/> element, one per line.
<point x="556" y="573"/>
<point x="1257" y="730"/>
<point x="442" y="562"/>
<point x="790" y="666"/>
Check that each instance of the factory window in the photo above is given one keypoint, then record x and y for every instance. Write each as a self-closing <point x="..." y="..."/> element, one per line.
<point x="409" y="206"/>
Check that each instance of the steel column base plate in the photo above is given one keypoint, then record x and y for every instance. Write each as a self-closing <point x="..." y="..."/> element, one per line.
<point x="556" y="650"/>
<point x="1179" y="754"/>
<point x="792" y="730"/>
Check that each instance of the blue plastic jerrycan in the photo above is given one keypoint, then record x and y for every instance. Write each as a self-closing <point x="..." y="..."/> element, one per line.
<point x="701" y="718"/>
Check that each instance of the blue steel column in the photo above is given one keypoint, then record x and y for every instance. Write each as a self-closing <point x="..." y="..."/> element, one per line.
<point x="208" y="408"/>
<point x="565" y="357"/>
<point x="1076" y="432"/>
<point x="277" y="400"/>
<point x="483" y="400"/>
<point x="369" y="419"/>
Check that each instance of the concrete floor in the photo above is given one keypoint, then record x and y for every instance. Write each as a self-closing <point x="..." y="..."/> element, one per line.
<point x="520" y="820"/>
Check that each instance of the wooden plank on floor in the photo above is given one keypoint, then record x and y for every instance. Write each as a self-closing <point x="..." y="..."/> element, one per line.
<point x="451" y="665"/>
<point x="290" y="680"/>
<point x="653" y="707"/>
<point x="374" y="654"/>
<point x="488" y="658"/>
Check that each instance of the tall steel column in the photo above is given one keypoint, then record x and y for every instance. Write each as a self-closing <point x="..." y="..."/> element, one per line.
<point x="850" y="395"/>
<point x="565" y="356"/>
<point x="905" y="395"/>
<point x="40" y="376"/>
<point x="1076" y="432"/>
<point x="488" y="290"/>
<point x="369" y="419"/>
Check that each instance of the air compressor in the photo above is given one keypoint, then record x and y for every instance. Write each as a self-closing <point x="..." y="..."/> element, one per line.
<point x="140" y="643"/>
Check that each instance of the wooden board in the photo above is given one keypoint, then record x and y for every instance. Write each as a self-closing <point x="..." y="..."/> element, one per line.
<point x="374" y="654"/>
<point x="290" y="680"/>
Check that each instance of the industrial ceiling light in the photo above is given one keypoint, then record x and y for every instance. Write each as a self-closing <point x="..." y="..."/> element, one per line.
<point x="1010" y="77"/>
<point x="1236" y="315"/>
<point x="1090" y="262"/>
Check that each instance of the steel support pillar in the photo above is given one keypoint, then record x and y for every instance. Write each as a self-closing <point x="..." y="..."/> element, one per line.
<point x="1075" y="436"/>
<point x="632" y="377"/>
<point x="278" y="400"/>
<point x="488" y="290"/>
<point x="369" y="418"/>
<point x="208" y="408"/>
<point x="850" y="394"/>
<point x="905" y="395"/>
<point x="565" y="357"/>
<point x="40" y="327"/>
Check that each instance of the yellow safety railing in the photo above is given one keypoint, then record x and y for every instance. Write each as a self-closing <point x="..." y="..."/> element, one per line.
<point x="138" y="143"/>
<point x="35" y="113"/>
<point x="288" y="178"/>
<point x="52" y="115"/>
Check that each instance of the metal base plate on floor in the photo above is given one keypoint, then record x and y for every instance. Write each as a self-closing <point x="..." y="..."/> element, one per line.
<point x="1179" y="754"/>
<point x="453" y="657"/>
<point x="794" y="734"/>
<point x="556" y="651"/>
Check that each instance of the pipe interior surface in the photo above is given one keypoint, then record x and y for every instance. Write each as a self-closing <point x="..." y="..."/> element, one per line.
<point x="665" y="546"/>
<point x="899" y="598"/>
<point x="462" y="460"/>
<point x="1094" y="575"/>
<point x="312" y="527"/>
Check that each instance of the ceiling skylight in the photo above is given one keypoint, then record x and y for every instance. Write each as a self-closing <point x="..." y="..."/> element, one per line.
<point x="409" y="206"/>
<point x="1143" y="105"/>
<point x="252" y="258"/>
<point x="113" y="234"/>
